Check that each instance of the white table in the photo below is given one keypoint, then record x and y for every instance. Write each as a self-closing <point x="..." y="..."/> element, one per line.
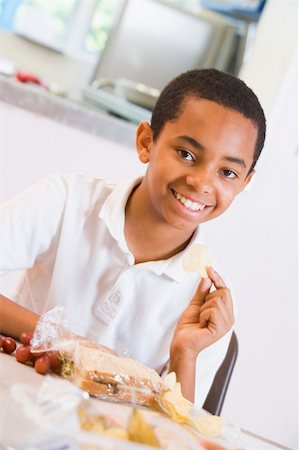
<point x="16" y="428"/>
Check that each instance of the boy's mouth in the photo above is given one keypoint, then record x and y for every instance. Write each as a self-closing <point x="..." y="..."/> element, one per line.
<point x="188" y="203"/>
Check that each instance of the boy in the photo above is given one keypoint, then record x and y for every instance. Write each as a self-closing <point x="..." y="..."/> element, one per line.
<point x="112" y="255"/>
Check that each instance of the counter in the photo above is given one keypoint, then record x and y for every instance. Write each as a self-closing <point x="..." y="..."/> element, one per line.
<point x="67" y="111"/>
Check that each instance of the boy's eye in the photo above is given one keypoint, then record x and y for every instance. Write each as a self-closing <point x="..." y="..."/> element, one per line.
<point x="184" y="154"/>
<point x="229" y="174"/>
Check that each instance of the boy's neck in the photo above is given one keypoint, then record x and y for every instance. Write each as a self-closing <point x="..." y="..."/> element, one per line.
<point x="148" y="238"/>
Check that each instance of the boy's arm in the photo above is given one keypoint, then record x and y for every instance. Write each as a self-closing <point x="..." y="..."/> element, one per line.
<point x="14" y="319"/>
<point x="208" y="317"/>
<point x="184" y="366"/>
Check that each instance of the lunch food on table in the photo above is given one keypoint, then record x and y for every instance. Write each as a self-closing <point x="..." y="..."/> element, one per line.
<point x="197" y="258"/>
<point x="104" y="374"/>
<point x="125" y="380"/>
<point x="175" y="405"/>
<point x="208" y="425"/>
<point x="100" y="372"/>
<point x="140" y="431"/>
<point x="43" y="362"/>
<point x="135" y="429"/>
<point x="8" y="344"/>
<point x="138" y="425"/>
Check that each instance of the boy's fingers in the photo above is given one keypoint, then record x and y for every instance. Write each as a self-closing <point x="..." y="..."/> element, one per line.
<point x="202" y="291"/>
<point x="216" y="278"/>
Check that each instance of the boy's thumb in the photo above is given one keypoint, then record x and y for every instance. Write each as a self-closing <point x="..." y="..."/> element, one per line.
<point x="202" y="291"/>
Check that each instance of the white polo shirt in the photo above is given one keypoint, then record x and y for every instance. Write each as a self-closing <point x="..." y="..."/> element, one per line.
<point x="67" y="233"/>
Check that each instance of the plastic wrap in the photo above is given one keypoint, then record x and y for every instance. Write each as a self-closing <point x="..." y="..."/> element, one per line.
<point x="52" y="332"/>
<point x="101" y="373"/>
<point x="93" y="367"/>
<point x="61" y="413"/>
<point x="107" y="375"/>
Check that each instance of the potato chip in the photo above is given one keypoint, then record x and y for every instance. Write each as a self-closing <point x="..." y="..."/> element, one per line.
<point x="171" y="383"/>
<point x="117" y="432"/>
<point x="175" y="405"/>
<point x="99" y="423"/>
<point x="208" y="425"/>
<point x="177" y="388"/>
<point x="197" y="259"/>
<point x="170" y="380"/>
<point x="140" y="431"/>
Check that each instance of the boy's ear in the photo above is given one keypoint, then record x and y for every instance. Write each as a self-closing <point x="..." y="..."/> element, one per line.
<point x="144" y="140"/>
<point x="247" y="183"/>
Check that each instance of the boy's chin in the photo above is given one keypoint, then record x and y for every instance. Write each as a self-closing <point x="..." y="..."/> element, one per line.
<point x="184" y="225"/>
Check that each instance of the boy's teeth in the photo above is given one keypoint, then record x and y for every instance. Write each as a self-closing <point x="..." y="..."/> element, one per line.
<point x="194" y="206"/>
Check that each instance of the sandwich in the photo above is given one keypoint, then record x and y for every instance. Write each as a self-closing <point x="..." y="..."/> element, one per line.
<point x="103" y="374"/>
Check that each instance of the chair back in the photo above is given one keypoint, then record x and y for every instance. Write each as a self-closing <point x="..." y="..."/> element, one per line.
<point x="217" y="393"/>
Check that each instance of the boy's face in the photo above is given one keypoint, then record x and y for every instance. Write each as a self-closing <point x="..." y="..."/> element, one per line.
<point x="198" y="164"/>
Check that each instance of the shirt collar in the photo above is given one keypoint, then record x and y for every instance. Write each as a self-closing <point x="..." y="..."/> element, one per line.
<point x="113" y="214"/>
<point x="174" y="268"/>
<point x="113" y="210"/>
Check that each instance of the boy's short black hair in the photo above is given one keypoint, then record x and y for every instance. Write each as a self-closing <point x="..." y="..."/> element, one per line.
<point x="210" y="84"/>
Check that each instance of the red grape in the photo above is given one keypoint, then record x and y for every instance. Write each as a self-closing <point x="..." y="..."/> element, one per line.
<point x="9" y="345"/>
<point x="55" y="362"/>
<point x="43" y="361"/>
<point x="32" y="358"/>
<point x="36" y="355"/>
<point x="25" y="338"/>
<point x="23" y="354"/>
<point x="42" y="365"/>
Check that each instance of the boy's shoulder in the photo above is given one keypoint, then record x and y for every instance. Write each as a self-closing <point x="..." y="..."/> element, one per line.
<point x="78" y="180"/>
<point x="84" y="191"/>
<point x="75" y="184"/>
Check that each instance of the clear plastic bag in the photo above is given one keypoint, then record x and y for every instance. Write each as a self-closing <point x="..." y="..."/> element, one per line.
<point x="52" y="332"/>
<point x="94" y="368"/>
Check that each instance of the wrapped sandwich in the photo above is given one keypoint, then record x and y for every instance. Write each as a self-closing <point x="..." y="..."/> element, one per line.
<point x="104" y="374"/>
<point x="95" y="368"/>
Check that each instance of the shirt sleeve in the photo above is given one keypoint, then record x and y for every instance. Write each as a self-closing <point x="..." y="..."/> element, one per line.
<point x="29" y="224"/>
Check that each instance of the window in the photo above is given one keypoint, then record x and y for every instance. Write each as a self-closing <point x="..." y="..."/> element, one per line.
<point x="100" y="26"/>
<point x="78" y="28"/>
<point x="46" y="22"/>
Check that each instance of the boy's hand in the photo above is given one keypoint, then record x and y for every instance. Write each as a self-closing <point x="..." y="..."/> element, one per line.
<point x="208" y="317"/>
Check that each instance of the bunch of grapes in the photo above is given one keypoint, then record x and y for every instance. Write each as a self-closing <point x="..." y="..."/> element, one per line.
<point x="43" y="362"/>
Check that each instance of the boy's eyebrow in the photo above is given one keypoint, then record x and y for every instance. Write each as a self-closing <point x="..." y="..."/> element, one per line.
<point x="199" y="146"/>
<point x="191" y="141"/>
<point x="239" y="161"/>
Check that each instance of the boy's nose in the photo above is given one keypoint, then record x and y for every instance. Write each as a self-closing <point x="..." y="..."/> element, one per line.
<point x="200" y="182"/>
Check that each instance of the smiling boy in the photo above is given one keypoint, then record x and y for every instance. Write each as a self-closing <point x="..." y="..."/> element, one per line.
<point x="112" y="255"/>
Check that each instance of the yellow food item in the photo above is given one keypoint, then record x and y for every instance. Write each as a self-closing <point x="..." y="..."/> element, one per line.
<point x="179" y="408"/>
<point x="99" y="423"/>
<point x="171" y="383"/>
<point x="140" y="431"/>
<point x="197" y="259"/>
<point x="208" y="425"/>
<point x="117" y="432"/>
<point x="170" y="380"/>
<point x="175" y="405"/>
<point x="172" y="401"/>
<point x="137" y="429"/>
